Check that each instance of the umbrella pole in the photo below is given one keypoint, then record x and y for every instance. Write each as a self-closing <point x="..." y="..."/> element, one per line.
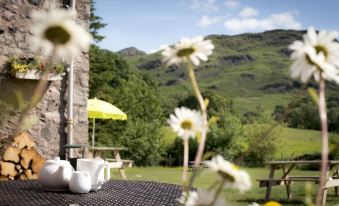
<point x="93" y="132"/>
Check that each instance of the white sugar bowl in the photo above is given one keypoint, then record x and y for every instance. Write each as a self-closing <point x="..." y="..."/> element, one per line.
<point x="80" y="182"/>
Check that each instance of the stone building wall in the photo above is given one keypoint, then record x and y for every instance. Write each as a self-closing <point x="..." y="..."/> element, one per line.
<point x="49" y="130"/>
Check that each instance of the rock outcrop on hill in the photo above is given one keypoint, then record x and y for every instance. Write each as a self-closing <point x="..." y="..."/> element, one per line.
<point x="131" y="51"/>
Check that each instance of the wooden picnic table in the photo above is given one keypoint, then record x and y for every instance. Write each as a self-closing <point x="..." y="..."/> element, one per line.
<point x="286" y="179"/>
<point x="117" y="162"/>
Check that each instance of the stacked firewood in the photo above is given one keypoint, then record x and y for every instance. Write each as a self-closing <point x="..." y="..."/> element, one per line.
<point x="20" y="159"/>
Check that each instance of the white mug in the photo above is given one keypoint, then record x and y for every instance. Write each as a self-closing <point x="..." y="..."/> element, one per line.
<point x="95" y="168"/>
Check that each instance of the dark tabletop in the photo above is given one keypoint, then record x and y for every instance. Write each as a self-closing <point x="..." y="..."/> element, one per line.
<point x="113" y="192"/>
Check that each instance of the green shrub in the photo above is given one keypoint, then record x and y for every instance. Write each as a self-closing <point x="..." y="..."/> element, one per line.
<point x="257" y="145"/>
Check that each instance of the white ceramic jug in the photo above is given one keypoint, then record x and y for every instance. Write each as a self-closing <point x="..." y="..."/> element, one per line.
<point x="80" y="182"/>
<point x="95" y="168"/>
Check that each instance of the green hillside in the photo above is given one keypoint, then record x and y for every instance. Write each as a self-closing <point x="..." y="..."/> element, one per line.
<point x="292" y="142"/>
<point x="250" y="68"/>
<point x="297" y="142"/>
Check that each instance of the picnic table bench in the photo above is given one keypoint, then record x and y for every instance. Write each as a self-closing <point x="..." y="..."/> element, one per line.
<point x="287" y="179"/>
<point x="191" y="165"/>
<point x="116" y="162"/>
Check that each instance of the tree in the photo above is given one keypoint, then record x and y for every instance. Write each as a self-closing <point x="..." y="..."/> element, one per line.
<point x="113" y="80"/>
<point x="218" y="105"/>
<point x="95" y="24"/>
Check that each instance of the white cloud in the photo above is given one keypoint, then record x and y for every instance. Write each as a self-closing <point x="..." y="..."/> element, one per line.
<point x="285" y="20"/>
<point x="202" y="5"/>
<point x="248" y="12"/>
<point x="206" y="21"/>
<point x="231" y="4"/>
<point x="295" y="12"/>
<point x="274" y="21"/>
<point x="162" y="47"/>
<point x="151" y="51"/>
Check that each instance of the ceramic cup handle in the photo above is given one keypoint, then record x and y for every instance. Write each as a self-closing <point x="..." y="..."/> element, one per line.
<point x="108" y="171"/>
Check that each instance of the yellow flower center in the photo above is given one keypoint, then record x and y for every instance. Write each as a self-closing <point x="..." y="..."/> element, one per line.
<point x="185" y="52"/>
<point x="187" y="125"/>
<point x="226" y="176"/>
<point x="57" y="35"/>
<point x="309" y="60"/>
<point x="272" y="203"/>
<point x="235" y="167"/>
<point x="320" y="48"/>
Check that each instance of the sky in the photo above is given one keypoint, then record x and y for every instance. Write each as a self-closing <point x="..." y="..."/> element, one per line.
<point x="148" y="24"/>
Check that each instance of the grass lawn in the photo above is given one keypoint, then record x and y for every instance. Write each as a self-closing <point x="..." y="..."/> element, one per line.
<point x="292" y="142"/>
<point x="234" y="198"/>
<point x="297" y="142"/>
<point x="264" y="102"/>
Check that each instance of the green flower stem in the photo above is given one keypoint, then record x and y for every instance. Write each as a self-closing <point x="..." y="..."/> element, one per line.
<point x="324" y="140"/>
<point x="213" y="185"/>
<point x="185" y="170"/>
<point x="219" y="190"/>
<point x="203" y="109"/>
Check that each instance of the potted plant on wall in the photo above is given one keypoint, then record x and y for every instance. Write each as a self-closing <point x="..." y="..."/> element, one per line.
<point x="33" y="68"/>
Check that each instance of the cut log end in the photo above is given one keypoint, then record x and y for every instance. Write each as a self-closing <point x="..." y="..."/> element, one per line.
<point x="24" y="140"/>
<point x="26" y="157"/>
<point x="34" y="177"/>
<point x="23" y="177"/>
<point x="37" y="164"/>
<point x="20" y="159"/>
<point x="8" y="169"/>
<point x="28" y="173"/>
<point x="12" y="154"/>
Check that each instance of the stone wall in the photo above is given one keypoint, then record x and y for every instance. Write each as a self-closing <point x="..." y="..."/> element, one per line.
<point x="49" y="130"/>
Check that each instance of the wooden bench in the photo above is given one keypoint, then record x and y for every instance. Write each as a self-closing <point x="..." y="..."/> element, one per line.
<point x="287" y="179"/>
<point x="118" y="163"/>
<point x="284" y="181"/>
<point x="123" y="163"/>
<point x="331" y="183"/>
<point x="269" y="183"/>
<point x="202" y="165"/>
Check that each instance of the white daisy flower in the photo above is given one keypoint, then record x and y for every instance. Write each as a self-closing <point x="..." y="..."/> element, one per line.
<point x="185" y="122"/>
<point x="196" y="49"/>
<point x="234" y="177"/>
<point x="55" y="32"/>
<point x="200" y="198"/>
<point x="317" y="55"/>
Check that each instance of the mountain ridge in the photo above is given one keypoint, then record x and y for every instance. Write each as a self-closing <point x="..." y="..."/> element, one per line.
<point x="130" y="51"/>
<point x="252" y="68"/>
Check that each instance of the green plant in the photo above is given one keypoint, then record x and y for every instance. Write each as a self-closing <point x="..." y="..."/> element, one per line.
<point x="17" y="66"/>
<point x="111" y="79"/>
<point x="23" y="65"/>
